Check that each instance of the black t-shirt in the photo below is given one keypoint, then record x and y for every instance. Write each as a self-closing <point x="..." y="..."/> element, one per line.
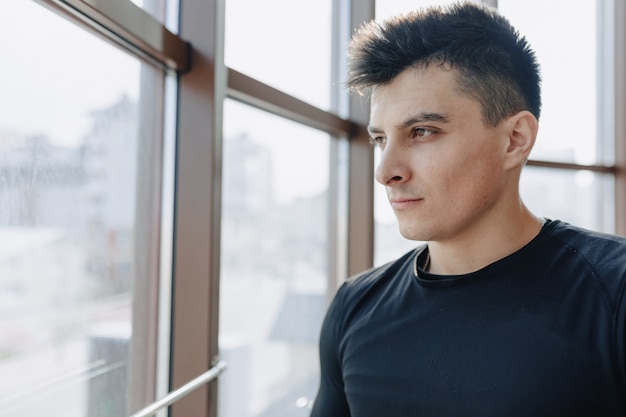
<point x="538" y="333"/>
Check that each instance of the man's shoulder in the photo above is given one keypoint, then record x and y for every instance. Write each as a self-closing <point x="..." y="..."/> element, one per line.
<point x="596" y="255"/>
<point x="359" y="293"/>
<point x="376" y="279"/>
<point x="596" y="247"/>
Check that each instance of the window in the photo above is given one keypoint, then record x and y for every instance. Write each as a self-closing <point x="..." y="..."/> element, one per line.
<point x="77" y="220"/>
<point x="274" y="262"/>
<point x="583" y="198"/>
<point x="567" y="57"/>
<point x="283" y="43"/>
<point x="573" y="101"/>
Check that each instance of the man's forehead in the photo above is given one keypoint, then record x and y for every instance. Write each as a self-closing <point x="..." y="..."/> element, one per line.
<point x="419" y="93"/>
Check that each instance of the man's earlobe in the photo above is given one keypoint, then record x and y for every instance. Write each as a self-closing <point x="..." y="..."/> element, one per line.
<point x="523" y="127"/>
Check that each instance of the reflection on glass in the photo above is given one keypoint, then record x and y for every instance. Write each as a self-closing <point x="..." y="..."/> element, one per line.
<point x="68" y="170"/>
<point x="582" y="198"/>
<point x="274" y="263"/>
<point x="283" y="43"/>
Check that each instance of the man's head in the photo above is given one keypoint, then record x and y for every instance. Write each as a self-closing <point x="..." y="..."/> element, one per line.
<point x="454" y="106"/>
<point x="495" y="64"/>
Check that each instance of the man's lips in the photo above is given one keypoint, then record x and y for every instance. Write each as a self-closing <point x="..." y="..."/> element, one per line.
<point x="404" y="202"/>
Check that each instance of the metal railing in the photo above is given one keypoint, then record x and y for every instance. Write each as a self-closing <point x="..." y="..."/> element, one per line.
<point x="181" y="392"/>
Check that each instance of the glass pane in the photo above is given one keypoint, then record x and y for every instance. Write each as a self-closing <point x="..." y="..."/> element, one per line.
<point x="566" y="47"/>
<point x="582" y="198"/>
<point x="69" y="171"/>
<point x="274" y="263"/>
<point x="283" y="43"/>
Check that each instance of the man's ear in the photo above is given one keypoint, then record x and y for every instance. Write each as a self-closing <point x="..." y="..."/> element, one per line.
<point x="522" y="130"/>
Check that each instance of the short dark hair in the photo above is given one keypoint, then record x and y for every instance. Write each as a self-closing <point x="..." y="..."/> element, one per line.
<point x="496" y="65"/>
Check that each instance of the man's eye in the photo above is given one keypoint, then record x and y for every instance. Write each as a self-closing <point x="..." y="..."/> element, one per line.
<point x="422" y="131"/>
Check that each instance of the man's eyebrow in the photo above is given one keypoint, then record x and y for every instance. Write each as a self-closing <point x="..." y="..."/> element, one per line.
<point x="373" y="130"/>
<point x="424" y="117"/>
<point x="418" y="118"/>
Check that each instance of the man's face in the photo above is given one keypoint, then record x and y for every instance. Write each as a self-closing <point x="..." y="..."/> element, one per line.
<point x="441" y="165"/>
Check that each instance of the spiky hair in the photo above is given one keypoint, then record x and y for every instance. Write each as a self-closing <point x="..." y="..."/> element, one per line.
<point x="496" y="65"/>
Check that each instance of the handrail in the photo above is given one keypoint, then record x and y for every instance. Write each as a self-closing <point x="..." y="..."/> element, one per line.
<point x="186" y="389"/>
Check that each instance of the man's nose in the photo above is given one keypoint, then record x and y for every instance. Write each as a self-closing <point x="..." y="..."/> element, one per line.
<point x="393" y="167"/>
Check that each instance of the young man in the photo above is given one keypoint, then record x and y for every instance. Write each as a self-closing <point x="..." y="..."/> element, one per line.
<point x="501" y="313"/>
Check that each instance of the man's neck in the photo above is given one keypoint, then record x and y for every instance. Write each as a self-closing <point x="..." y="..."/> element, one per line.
<point x="483" y="246"/>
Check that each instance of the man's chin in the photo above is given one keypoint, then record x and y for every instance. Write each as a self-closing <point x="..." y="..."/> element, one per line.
<point x="412" y="233"/>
